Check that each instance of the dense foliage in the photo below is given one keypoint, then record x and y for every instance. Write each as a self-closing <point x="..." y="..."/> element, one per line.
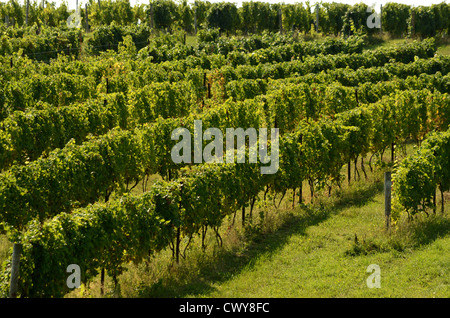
<point x="168" y="15"/>
<point x="79" y="131"/>
<point x="418" y="176"/>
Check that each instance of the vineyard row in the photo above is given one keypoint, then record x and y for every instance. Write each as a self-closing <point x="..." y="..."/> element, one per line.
<point x="199" y="196"/>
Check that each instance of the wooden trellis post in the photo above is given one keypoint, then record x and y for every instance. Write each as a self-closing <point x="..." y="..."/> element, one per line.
<point x="27" y="12"/>
<point x="317" y="17"/>
<point x="15" y="265"/>
<point x="381" y="25"/>
<point x="87" y="19"/>
<point x="387" y="198"/>
<point x="195" y="17"/>
<point x="280" y="20"/>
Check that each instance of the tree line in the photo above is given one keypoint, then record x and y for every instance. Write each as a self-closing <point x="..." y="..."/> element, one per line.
<point x="399" y="20"/>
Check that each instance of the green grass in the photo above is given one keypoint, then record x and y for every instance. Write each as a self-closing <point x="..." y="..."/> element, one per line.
<point x="385" y="42"/>
<point x="314" y="260"/>
<point x="191" y="40"/>
<point x="5" y="249"/>
<point x="444" y="49"/>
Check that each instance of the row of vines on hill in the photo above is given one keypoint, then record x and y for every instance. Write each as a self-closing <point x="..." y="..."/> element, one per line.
<point x="84" y="133"/>
<point x="25" y="136"/>
<point x="251" y="17"/>
<point x="292" y="101"/>
<point x="201" y="196"/>
<point x="62" y="85"/>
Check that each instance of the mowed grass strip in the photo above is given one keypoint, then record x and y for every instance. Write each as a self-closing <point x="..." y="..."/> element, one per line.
<point x="330" y="259"/>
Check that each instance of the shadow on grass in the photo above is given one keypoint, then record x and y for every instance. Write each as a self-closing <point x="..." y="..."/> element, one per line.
<point x="427" y="230"/>
<point x="356" y="197"/>
<point x="227" y="263"/>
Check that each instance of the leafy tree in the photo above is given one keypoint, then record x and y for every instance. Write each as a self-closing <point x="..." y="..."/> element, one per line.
<point x="200" y="10"/>
<point x="422" y="22"/>
<point x="165" y="13"/>
<point x="2" y="12"/>
<point x="139" y="12"/>
<point x="295" y="16"/>
<point x="247" y="18"/>
<point x="442" y="14"/>
<point x="267" y="17"/>
<point x="101" y="12"/>
<point x="123" y="12"/>
<point x="394" y="18"/>
<point x="355" y="20"/>
<point x="16" y="12"/>
<point x="332" y="21"/>
<point x="223" y="15"/>
<point x="51" y="15"/>
<point x="186" y="16"/>
<point x="104" y="12"/>
<point x="257" y="17"/>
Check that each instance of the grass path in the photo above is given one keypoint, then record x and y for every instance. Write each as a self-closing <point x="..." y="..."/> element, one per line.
<point x="315" y="260"/>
